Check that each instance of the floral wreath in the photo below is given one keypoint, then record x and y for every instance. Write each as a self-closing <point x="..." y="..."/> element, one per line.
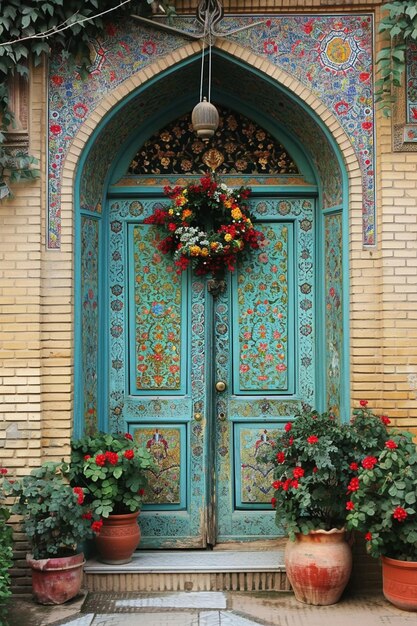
<point x="209" y="226"/>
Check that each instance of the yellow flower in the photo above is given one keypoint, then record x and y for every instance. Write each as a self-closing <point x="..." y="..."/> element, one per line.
<point x="214" y="245"/>
<point x="228" y="204"/>
<point x="171" y="211"/>
<point x="228" y="237"/>
<point x="236" y="214"/>
<point x="195" y="250"/>
<point x="186" y="213"/>
<point x="204" y="252"/>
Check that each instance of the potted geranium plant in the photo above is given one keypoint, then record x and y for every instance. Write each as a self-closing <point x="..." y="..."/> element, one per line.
<point x="384" y="507"/>
<point x="55" y="521"/>
<point x="316" y="459"/>
<point x="112" y="469"/>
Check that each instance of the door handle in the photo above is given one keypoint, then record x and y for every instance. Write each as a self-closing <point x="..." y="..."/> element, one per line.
<point x="198" y="417"/>
<point x="220" y="385"/>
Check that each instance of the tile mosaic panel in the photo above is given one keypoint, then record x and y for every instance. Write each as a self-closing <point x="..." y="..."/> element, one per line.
<point x="411" y="74"/>
<point x="331" y="54"/>
<point x="165" y="446"/>
<point x="334" y="310"/>
<point x="254" y="467"/>
<point x="89" y="320"/>
<point x="157" y="317"/>
<point x="245" y="148"/>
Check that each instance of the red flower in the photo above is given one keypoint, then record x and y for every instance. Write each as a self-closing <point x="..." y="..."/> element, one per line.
<point x="87" y="456"/>
<point x="128" y="436"/>
<point x="280" y="457"/>
<point x="96" y="526"/>
<point x="354" y="467"/>
<point x="369" y="462"/>
<point x="368" y="537"/>
<point x="294" y="483"/>
<point x="390" y="444"/>
<point x="286" y="484"/>
<point x="350" y="506"/>
<point x="141" y="492"/>
<point x="288" y="427"/>
<point x="129" y="454"/>
<point x="273" y="502"/>
<point x="101" y="460"/>
<point x="290" y="441"/>
<point x="55" y="129"/>
<point x="315" y="470"/>
<point x="385" y="420"/>
<point x="353" y="485"/>
<point x="312" y="439"/>
<point x="366" y="125"/>
<point x="400" y="514"/>
<point x="363" y="402"/>
<point x="80" y="494"/>
<point x="111" y="457"/>
<point x="298" y="472"/>
<point x="270" y="46"/>
<point x="87" y="515"/>
<point x="3" y="470"/>
<point x="277" y="484"/>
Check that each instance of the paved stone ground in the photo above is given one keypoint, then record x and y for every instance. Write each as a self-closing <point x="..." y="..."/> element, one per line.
<point x="205" y="609"/>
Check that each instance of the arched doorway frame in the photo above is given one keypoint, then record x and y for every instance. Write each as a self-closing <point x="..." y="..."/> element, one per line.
<point x="112" y="102"/>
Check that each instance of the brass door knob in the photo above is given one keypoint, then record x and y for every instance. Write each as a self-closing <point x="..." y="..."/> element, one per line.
<point x="198" y="417"/>
<point x="220" y="385"/>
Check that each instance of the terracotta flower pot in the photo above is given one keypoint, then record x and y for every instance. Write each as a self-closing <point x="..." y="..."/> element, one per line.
<point x="118" y="539"/>
<point x="318" y="566"/>
<point x="58" y="579"/>
<point x="399" y="583"/>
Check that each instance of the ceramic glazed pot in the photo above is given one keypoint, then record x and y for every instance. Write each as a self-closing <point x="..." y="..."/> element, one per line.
<point x="318" y="566"/>
<point x="399" y="583"/>
<point x="58" y="579"/>
<point x="118" y="538"/>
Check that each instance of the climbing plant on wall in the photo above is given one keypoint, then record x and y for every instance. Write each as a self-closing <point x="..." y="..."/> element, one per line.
<point x="399" y="25"/>
<point x="29" y="31"/>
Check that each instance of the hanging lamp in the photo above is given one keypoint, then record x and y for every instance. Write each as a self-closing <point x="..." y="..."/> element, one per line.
<point x="205" y="117"/>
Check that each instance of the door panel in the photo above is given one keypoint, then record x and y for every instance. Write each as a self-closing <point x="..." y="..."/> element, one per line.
<point x="171" y="342"/>
<point x="266" y="322"/>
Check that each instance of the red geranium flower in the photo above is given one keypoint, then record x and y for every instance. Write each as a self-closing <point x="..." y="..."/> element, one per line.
<point x="368" y="537"/>
<point x="288" y="427"/>
<point x="312" y="439"/>
<point x="101" y="460"/>
<point x="298" y="472"/>
<point x="400" y="514"/>
<point x="280" y="457"/>
<point x="273" y="502"/>
<point x="128" y="436"/>
<point x="390" y="444"/>
<point x="369" y="462"/>
<point x="353" y="485"/>
<point x="354" y="467"/>
<point x="129" y="454"/>
<point x="350" y="505"/>
<point x="96" y="526"/>
<point x="363" y="402"/>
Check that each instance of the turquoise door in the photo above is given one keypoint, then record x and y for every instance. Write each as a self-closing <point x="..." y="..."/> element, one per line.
<point x="205" y="382"/>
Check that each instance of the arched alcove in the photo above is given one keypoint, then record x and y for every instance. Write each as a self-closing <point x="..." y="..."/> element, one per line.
<point x="304" y="212"/>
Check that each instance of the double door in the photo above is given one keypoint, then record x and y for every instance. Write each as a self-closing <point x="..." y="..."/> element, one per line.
<point x="206" y="381"/>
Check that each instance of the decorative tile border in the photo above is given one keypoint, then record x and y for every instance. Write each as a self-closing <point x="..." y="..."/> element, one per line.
<point x="330" y="54"/>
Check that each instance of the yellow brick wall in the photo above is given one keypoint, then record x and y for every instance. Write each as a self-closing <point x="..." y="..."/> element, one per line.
<point x="36" y="287"/>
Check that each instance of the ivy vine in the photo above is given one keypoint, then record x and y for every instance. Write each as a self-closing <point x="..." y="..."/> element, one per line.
<point x="29" y="31"/>
<point x="399" y="25"/>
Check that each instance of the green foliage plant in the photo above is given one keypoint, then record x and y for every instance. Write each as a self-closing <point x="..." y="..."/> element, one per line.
<point x="315" y="460"/>
<point x="112" y="470"/>
<point x="31" y="31"/>
<point x="399" y="25"/>
<point x="55" y="518"/>
<point x="384" y="504"/>
<point x="6" y="551"/>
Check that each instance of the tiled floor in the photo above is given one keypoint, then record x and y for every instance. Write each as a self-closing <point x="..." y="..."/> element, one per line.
<point x="207" y="609"/>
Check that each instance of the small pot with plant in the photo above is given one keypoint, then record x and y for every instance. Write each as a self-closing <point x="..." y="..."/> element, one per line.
<point x="383" y="505"/>
<point x="112" y="469"/>
<point x="55" y="521"/>
<point x="315" y="461"/>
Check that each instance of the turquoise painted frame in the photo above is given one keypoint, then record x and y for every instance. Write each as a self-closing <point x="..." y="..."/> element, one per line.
<point x="345" y="408"/>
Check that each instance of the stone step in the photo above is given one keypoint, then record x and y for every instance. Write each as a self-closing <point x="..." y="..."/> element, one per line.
<point x="191" y="570"/>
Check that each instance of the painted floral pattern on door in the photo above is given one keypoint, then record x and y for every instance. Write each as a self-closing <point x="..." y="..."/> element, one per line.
<point x="158" y="324"/>
<point x="263" y="315"/>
